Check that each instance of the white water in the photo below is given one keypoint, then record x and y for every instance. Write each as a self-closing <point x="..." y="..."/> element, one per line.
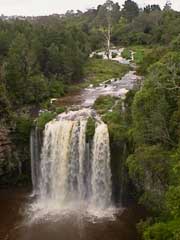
<point x="101" y="173"/>
<point x="73" y="174"/>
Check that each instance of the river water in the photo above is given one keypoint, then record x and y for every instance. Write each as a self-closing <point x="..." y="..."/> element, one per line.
<point x="15" y="225"/>
<point x="19" y="222"/>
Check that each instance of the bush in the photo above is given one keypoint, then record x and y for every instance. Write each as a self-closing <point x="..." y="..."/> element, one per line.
<point x="60" y="110"/>
<point x="163" y="231"/>
<point x="104" y="103"/>
<point x="139" y="56"/>
<point x="111" y="110"/>
<point x="23" y="128"/>
<point x="145" y="58"/>
<point x="56" y="88"/>
<point x="149" y="170"/>
<point x="90" y="129"/>
<point x="126" y="54"/>
<point x="44" y="118"/>
<point x="175" y="44"/>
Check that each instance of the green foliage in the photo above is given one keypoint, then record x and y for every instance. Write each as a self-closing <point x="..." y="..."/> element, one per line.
<point x="149" y="170"/>
<point x="139" y="56"/>
<point x="154" y="165"/>
<point x="60" y="110"/>
<point x="172" y="201"/>
<point x="104" y="104"/>
<point x="111" y="110"/>
<point x="147" y="27"/>
<point x="23" y="128"/>
<point x="150" y="116"/>
<point x="145" y="58"/>
<point x="126" y="54"/>
<point x="97" y="70"/>
<point x="117" y="127"/>
<point x="44" y="118"/>
<point x="175" y="44"/>
<point x="4" y="103"/>
<point x="56" y="88"/>
<point x="130" y="10"/>
<point x="163" y="231"/>
<point x="36" y="62"/>
<point x="90" y="129"/>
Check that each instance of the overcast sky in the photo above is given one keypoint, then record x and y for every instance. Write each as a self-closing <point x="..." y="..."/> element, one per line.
<point x="46" y="7"/>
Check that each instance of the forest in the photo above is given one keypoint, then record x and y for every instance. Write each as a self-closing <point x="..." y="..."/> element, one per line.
<point x="47" y="57"/>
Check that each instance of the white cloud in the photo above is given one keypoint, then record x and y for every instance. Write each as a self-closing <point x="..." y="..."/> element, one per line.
<point x="45" y="7"/>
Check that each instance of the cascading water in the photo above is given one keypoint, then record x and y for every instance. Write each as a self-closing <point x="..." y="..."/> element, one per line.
<point x="35" y="144"/>
<point x="101" y="173"/>
<point x="71" y="170"/>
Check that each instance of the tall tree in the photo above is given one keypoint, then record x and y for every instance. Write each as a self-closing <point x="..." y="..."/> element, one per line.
<point x="167" y="6"/>
<point x="108" y="13"/>
<point x="130" y="10"/>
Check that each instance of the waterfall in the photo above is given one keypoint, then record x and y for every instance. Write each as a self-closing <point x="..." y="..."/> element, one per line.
<point x="35" y="145"/>
<point x="72" y="170"/>
<point x="101" y="173"/>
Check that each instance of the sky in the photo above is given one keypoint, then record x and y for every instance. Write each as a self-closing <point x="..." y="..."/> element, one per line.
<point x="47" y="7"/>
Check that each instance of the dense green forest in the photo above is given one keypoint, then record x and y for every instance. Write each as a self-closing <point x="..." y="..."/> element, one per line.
<point x="48" y="57"/>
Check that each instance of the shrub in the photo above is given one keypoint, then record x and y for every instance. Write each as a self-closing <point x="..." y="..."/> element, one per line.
<point x="126" y="54"/>
<point x="90" y="129"/>
<point x="23" y="128"/>
<point x="104" y="103"/>
<point x="44" y="118"/>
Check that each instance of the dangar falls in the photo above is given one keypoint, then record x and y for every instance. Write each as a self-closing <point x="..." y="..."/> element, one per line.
<point x="71" y="171"/>
<point x="72" y="177"/>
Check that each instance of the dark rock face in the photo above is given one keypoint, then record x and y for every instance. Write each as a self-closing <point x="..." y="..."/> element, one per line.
<point x="6" y="152"/>
<point x="14" y="160"/>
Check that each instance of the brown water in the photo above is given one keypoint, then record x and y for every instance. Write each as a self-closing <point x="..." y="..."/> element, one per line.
<point x="14" y="224"/>
<point x="114" y="87"/>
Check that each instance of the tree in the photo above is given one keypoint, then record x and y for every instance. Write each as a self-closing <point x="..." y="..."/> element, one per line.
<point x="150" y="115"/>
<point x="4" y="103"/>
<point x="16" y="68"/>
<point x="151" y="8"/>
<point x="149" y="170"/>
<point x="167" y="6"/>
<point x="130" y="10"/>
<point x="108" y="13"/>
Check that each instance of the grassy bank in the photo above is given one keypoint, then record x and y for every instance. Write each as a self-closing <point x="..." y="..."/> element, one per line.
<point x="99" y="70"/>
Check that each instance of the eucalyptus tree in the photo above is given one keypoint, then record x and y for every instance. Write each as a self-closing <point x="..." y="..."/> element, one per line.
<point x="107" y="15"/>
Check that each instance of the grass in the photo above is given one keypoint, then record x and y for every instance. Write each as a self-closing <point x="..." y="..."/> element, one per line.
<point x="140" y="53"/>
<point x="139" y="56"/>
<point x="98" y="70"/>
